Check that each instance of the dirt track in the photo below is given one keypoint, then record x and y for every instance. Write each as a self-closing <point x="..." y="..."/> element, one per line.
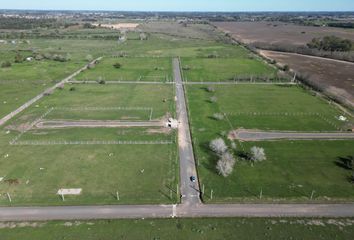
<point x="54" y="124"/>
<point x="254" y="135"/>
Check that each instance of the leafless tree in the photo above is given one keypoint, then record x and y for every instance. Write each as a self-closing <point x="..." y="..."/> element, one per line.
<point x="213" y="99"/>
<point x="210" y="89"/>
<point x="218" y="116"/>
<point x="218" y="146"/>
<point x="257" y="154"/>
<point x="226" y="164"/>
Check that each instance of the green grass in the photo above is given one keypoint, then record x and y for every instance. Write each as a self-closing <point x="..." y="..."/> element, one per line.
<point x="100" y="170"/>
<point x="224" y="69"/>
<point x="219" y="228"/>
<point x="132" y="69"/>
<point x="311" y="164"/>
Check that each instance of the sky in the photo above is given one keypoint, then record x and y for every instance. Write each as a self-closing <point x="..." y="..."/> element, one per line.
<point x="182" y="5"/>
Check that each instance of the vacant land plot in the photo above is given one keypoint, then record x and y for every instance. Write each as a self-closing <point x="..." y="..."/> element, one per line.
<point x="333" y="77"/>
<point x="130" y="69"/>
<point x="277" y="32"/>
<point x="240" y="228"/>
<point x="139" y="163"/>
<point x="225" y="69"/>
<point x="270" y="108"/>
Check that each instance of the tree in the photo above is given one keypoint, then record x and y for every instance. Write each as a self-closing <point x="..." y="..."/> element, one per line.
<point x="117" y="65"/>
<point x="226" y="164"/>
<point x="331" y="43"/>
<point x="218" y="146"/>
<point x="257" y="154"/>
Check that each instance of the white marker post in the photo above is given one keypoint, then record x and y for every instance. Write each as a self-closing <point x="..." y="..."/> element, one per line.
<point x="9" y="197"/>
<point x="211" y="194"/>
<point x="117" y="196"/>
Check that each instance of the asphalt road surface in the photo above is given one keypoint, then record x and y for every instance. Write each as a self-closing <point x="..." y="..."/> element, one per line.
<point x="189" y="191"/>
<point x="53" y="124"/>
<point x="252" y="135"/>
<point x="171" y="211"/>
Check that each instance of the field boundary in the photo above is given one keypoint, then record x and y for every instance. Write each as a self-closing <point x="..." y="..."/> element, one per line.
<point x="51" y="143"/>
<point x="44" y="93"/>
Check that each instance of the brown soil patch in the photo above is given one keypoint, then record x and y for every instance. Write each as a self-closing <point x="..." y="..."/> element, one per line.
<point x="12" y="181"/>
<point x="279" y="32"/>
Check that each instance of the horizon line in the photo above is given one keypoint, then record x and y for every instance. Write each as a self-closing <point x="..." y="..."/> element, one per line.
<point x="186" y="11"/>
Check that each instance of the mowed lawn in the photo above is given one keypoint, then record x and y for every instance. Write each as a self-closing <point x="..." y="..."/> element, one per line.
<point x="213" y="228"/>
<point x="132" y="69"/>
<point x="224" y="69"/>
<point x="140" y="173"/>
<point x="292" y="169"/>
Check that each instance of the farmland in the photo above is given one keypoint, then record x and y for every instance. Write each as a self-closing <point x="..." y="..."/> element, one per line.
<point x="279" y="32"/>
<point x="269" y="108"/>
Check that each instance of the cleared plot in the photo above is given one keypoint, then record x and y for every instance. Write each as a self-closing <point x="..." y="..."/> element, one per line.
<point x="224" y="69"/>
<point x="130" y="69"/>
<point x="311" y="165"/>
<point x="216" y="228"/>
<point x="44" y="160"/>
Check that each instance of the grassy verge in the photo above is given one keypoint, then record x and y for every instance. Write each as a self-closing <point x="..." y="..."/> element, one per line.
<point x="237" y="228"/>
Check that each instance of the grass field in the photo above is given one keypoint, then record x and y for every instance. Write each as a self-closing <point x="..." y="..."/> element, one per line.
<point x="141" y="173"/>
<point x="132" y="69"/>
<point x="224" y="69"/>
<point x="219" y="228"/>
<point x="293" y="169"/>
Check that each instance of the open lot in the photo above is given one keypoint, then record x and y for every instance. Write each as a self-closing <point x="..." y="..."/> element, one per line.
<point x="71" y="158"/>
<point x="333" y="77"/>
<point x="225" y="69"/>
<point x="293" y="168"/>
<point x="217" y="228"/>
<point x="278" y="32"/>
<point x="132" y="69"/>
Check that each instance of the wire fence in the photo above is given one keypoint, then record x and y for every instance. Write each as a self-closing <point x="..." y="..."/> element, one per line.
<point x="55" y="142"/>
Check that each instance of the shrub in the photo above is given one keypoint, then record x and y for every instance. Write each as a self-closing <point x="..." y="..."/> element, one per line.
<point x="226" y="164"/>
<point x="6" y="64"/>
<point x="72" y="89"/>
<point x="117" y="65"/>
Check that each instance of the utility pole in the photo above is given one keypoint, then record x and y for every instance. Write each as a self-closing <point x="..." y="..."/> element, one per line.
<point x="312" y="194"/>
<point x="117" y="196"/>
<point x="211" y="194"/>
<point x="261" y="194"/>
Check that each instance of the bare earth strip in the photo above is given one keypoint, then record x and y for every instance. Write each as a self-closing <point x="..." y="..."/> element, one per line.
<point x="51" y="89"/>
<point x="54" y="124"/>
<point x="254" y="135"/>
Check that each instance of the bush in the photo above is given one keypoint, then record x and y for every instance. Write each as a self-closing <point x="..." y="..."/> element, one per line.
<point x="6" y="64"/>
<point x="331" y="43"/>
<point x="19" y="58"/>
<point x="257" y="154"/>
<point x="72" y="89"/>
<point x="286" y="68"/>
<point x="117" y="65"/>
<point x="102" y="82"/>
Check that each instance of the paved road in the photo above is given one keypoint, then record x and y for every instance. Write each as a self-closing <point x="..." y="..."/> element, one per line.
<point x="53" y="124"/>
<point x="253" y="135"/>
<point x="170" y="211"/>
<point x="190" y="191"/>
<point x="51" y="89"/>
